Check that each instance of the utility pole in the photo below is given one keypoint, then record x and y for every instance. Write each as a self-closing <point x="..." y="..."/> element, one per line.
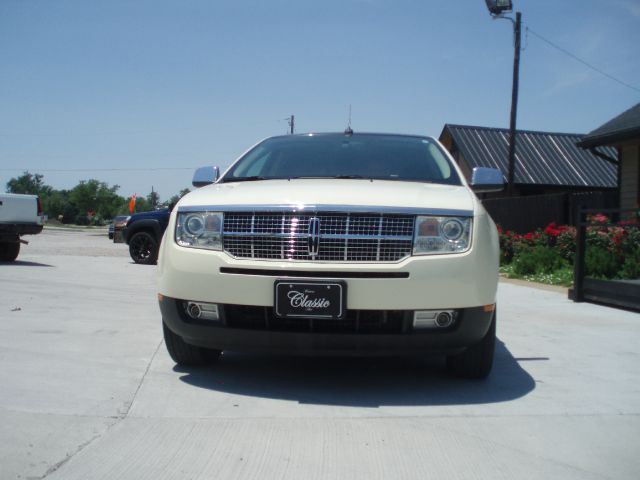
<point x="497" y="8"/>
<point x="292" y="122"/>
<point x="514" y="104"/>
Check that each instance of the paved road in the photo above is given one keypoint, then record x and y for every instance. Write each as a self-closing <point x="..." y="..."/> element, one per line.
<point x="89" y="392"/>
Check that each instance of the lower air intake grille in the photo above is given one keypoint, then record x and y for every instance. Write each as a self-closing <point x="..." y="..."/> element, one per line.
<point x="356" y="321"/>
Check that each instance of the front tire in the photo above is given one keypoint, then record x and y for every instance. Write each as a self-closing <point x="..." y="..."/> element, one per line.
<point x="143" y="248"/>
<point x="9" y="251"/>
<point x="476" y="361"/>
<point x="185" y="354"/>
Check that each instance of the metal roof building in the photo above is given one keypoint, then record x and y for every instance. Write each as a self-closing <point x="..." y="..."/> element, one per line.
<point x="623" y="134"/>
<point x="542" y="159"/>
<point x="623" y="128"/>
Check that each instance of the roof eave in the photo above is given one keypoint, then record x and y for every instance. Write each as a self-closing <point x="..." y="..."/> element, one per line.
<point x="609" y="139"/>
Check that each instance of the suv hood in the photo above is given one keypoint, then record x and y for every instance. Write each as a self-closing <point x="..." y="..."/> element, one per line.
<point x="312" y="192"/>
<point x="154" y="214"/>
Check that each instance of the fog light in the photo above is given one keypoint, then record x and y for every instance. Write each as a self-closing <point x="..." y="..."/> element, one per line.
<point x="193" y="309"/>
<point x="444" y="319"/>
<point x="433" y="318"/>
<point x="203" y="311"/>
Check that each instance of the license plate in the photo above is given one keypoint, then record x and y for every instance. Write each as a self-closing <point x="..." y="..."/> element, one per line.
<point x="295" y="299"/>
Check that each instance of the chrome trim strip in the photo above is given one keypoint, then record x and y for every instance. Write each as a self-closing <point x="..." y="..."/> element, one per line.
<point x="323" y="236"/>
<point x="374" y="209"/>
<point x="324" y="274"/>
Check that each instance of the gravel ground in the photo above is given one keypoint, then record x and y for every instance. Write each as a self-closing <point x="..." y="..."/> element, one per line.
<point x="63" y="241"/>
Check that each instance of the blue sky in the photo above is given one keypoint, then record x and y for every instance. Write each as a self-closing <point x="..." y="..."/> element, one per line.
<point x="136" y="93"/>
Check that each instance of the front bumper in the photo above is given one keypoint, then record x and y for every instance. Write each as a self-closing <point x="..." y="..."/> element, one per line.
<point x="119" y="235"/>
<point x="417" y="283"/>
<point x="470" y="327"/>
<point x="423" y="282"/>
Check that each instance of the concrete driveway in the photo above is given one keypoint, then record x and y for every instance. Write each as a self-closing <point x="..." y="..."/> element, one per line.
<point x="88" y="391"/>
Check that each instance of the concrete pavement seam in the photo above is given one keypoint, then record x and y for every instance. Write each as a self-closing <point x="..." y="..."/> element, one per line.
<point x="56" y="414"/>
<point x="80" y="448"/>
<point x="117" y="419"/>
<point x="144" y="375"/>
<point x="399" y="417"/>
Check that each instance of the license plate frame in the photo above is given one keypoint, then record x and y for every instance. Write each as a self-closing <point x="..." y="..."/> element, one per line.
<point x="308" y="299"/>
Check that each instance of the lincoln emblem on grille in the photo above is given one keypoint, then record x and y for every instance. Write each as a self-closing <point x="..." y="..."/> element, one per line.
<point x="314" y="236"/>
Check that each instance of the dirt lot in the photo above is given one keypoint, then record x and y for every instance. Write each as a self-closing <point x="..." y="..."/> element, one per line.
<point x="89" y="392"/>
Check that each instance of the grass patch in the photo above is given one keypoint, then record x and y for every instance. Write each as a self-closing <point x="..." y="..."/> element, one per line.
<point x="561" y="277"/>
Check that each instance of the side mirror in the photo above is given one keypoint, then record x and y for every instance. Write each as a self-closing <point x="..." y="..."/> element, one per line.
<point x="487" y="180"/>
<point x="205" y="176"/>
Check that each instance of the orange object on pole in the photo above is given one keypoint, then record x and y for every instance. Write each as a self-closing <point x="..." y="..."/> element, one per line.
<point x="132" y="203"/>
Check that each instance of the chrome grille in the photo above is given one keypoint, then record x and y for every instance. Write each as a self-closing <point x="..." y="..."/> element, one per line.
<point x="341" y="237"/>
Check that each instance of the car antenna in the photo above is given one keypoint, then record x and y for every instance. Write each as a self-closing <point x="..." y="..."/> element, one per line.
<point x="349" y="130"/>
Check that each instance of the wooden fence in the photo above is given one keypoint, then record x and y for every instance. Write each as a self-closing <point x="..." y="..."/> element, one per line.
<point x="526" y="214"/>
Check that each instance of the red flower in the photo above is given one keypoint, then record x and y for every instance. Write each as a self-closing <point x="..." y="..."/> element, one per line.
<point x="599" y="218"/>
<point x="552" y="231"/>
<point x="617" y="238"/>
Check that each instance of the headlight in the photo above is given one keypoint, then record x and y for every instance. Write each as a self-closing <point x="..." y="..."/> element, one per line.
<point x="199" y="230"/>
<point x="438" y="235"/>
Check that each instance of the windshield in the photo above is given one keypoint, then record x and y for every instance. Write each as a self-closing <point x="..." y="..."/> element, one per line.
<point x="368" y="156"/>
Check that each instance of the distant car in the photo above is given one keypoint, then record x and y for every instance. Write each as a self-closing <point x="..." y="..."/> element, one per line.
<point x="143" y="234"/>
<point x="334" y="244"/>
<point x="118" y="224"/>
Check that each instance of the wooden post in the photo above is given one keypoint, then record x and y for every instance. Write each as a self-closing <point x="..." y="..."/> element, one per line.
<point x="578" y="269"/>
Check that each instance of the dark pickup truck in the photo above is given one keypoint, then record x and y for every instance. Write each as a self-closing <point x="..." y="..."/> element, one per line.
<point x="143" y="234"/>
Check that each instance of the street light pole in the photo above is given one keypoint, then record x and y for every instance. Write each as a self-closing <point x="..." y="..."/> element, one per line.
<point x="497" y="9"/>
<point x="514" y="104"/>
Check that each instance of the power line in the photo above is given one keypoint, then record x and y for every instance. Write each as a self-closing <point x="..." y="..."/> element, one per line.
<point x="109" y="133"/>
<point x="585" y="63"/>
<point x="72" y="170"/>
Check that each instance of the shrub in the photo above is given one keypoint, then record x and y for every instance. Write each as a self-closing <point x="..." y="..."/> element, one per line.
<point x="81" y="220"/>
<point x="629" y="242"/>
<point x="566" y="243"/>
<point x="631" y="266"/>
<point x="612" y="251"/>
<point x="507" y="240"/>
<point x="600" y="263"/>
<point x="539" y="259"/>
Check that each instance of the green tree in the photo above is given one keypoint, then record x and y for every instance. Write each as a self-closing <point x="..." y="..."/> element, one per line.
<point x="109" y="202"/>
<point x="153" y="199"/>
<point x="173" y="200"/>
<point x="32" y="184"/>
<point x="57" y="203"/>
<point x="97" y="197"/>
<point x="143" y="205"/>
<point x="28" y="183"/>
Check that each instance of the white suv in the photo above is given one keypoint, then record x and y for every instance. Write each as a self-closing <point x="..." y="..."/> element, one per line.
<point x="334" y="244"/>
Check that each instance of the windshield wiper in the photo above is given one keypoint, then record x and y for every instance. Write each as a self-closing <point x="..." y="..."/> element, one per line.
<point x="311" y="177"/>
<point x="350" y="176"/>
<point x="252" y="178"/>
